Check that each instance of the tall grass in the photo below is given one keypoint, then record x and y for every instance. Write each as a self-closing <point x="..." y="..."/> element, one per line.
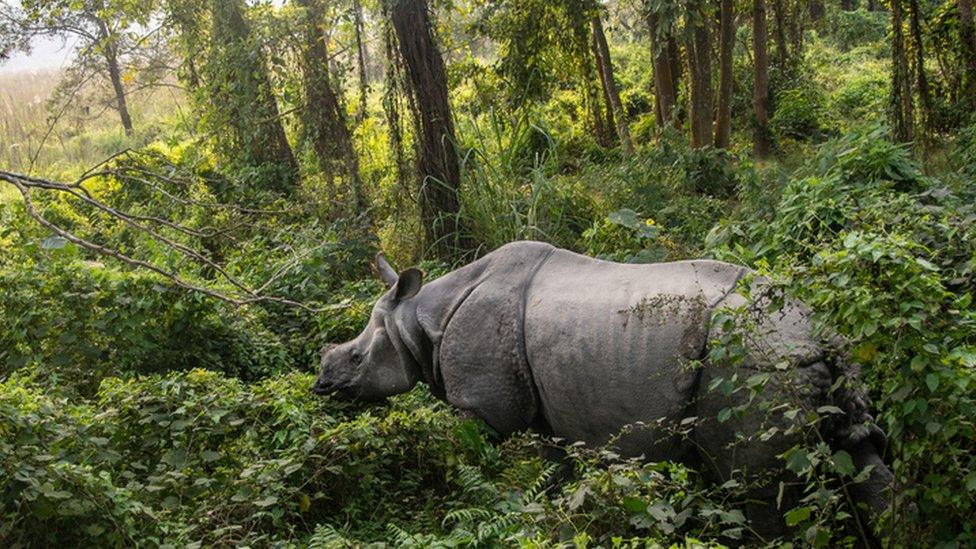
<point x="508" y="191"/>
<point x="41" y="136"/>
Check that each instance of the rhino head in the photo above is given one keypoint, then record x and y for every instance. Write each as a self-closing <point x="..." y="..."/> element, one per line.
<point x="375" y="365"/>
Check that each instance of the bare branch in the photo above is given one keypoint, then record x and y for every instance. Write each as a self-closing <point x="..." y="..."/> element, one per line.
<point x="246" y="296"/>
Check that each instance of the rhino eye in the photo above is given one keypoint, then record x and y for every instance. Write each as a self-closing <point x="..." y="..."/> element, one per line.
<point x="355" y="357"/>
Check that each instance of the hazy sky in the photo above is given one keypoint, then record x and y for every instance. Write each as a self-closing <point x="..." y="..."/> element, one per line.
<point x="45" y="54"/>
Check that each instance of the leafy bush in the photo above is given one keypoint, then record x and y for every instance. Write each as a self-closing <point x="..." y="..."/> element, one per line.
<point x="198" y="458"/>
<point x="75" y="322"/>
<point x="798" y="113"/>
<point x="884" y="254"/>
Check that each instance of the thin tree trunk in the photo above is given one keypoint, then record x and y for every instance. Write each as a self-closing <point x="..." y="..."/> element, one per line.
<point x="782" y="50"/>
<point x="723" y="118"/>
<point x="924" y="95"/>
<point x="665" y="94"/>
<point x="603" y="119"/>
<point x="115" y="75"/>
<point x="698" y="50"/>
<point x="325" y="119"/>
<point x="437" y="160"/>
<point x="816" y="10"/>
<point x="361" y="55"/>
<point x="967" y="35"/>
<point x="902" y="123"/>
<point x="614" y="105"/>
<point x="760" y="101"/>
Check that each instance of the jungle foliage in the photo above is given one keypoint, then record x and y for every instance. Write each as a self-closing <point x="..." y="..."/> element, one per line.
<point x="170" y="405"/>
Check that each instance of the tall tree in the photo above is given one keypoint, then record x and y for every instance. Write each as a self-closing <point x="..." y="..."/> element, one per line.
<point x="816" y="10"/>
<point x="723" y="117"/>
<point x="699" y="53"/>
<point x="605" y="65"/>
<point x="665" y="78"/>
<point x="782" y="48"/>
<point x="761" y="142"/>
<point x="106" y="34"/>
<point x="357" y="11"/>
<point x="324" y="117"/>
<point x="437" y="161"/>
<point x="967" y="34"/>
<point x="921" y="80"/>
<point x="902" y="116"/>
<point x="239" y="97"/>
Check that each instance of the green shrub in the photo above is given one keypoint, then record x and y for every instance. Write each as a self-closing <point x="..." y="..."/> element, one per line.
<point x="798" y="113"/>
<point x="884" y="255"/>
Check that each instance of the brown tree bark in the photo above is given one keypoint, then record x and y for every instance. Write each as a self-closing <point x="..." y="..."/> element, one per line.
<point x="902" y="116"/>
<point x="324" y="117"/>
<point x="615" y="107"/>
<point x="665" y="91"/>
<point x="761" y="142"/>
<point x="967" y="34"/>
<point x="782" y="49"/>
<point x="110" y="51"/>
<point x="816" y="10"/>
<point x="357" y="7"/>
<point x="723" y="118"/>
<point x="698" y="50"/>
<point x="437" y="161"/>
<point x="921" y="80"/>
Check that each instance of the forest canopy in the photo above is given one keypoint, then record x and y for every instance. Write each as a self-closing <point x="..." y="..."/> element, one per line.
<point x="190" y="206"/>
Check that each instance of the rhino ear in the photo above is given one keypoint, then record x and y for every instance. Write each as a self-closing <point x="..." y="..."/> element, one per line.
<point x="386" y="272"/>
<point x="409" y="284"/>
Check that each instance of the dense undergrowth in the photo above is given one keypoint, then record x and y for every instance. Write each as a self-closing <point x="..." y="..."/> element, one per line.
<point x="135" y="413"/>
<point x="93" y="448"/>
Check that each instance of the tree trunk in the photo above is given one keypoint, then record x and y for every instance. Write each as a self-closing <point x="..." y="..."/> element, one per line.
<point x="110" y="51"/>
<point x="325" y="120"/>
<point x="816" y="10"/>
<point x="922" y="81"/>
<point x="760" y="101"/>
<point x="967" y="35"/>
<point x="723" y="118"/>
<point x="361" y="55"/>
<point x="847" y="5"/>
<point x="614" y="105"/>
<point x="250" y="110"/>
<point x="603" y="120"/>
<point x="437" y="161"/>
<point x="665" y="92"/>
<point x="698" y="50"/>
<point x="902" y="117"/>
<point x="782" y="50"/>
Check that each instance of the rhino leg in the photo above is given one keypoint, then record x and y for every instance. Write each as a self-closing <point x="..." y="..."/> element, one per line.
<point x="735" y="449"/>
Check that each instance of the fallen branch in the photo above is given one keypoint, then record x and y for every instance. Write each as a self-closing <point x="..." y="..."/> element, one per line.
<point x="245" y="296"/>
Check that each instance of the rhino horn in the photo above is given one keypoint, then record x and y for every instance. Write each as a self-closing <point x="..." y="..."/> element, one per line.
<point x="386" y="272"/>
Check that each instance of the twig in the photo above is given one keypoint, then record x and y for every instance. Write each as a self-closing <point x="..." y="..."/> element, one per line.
<point x="24" y="184"/>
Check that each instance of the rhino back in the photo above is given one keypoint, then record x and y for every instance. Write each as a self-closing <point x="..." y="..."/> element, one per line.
<point x="608" y="343"/>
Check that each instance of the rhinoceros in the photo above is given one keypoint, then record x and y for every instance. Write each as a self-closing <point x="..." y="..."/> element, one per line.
<point x="533" y="336"/>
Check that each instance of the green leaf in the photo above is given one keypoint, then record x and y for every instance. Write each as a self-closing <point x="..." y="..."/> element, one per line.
<point x="175" y="458"/>
<point x="266" y="502"/>
<point x="843" y="463"/>
<point x="798" y="515"/>
<point x="625" y="217"/>
<point x="210" y="455"/>
<point x="634" y="505"/>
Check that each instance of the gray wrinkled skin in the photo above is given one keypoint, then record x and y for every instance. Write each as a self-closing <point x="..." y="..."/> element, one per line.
<point x="531" y="336"/>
